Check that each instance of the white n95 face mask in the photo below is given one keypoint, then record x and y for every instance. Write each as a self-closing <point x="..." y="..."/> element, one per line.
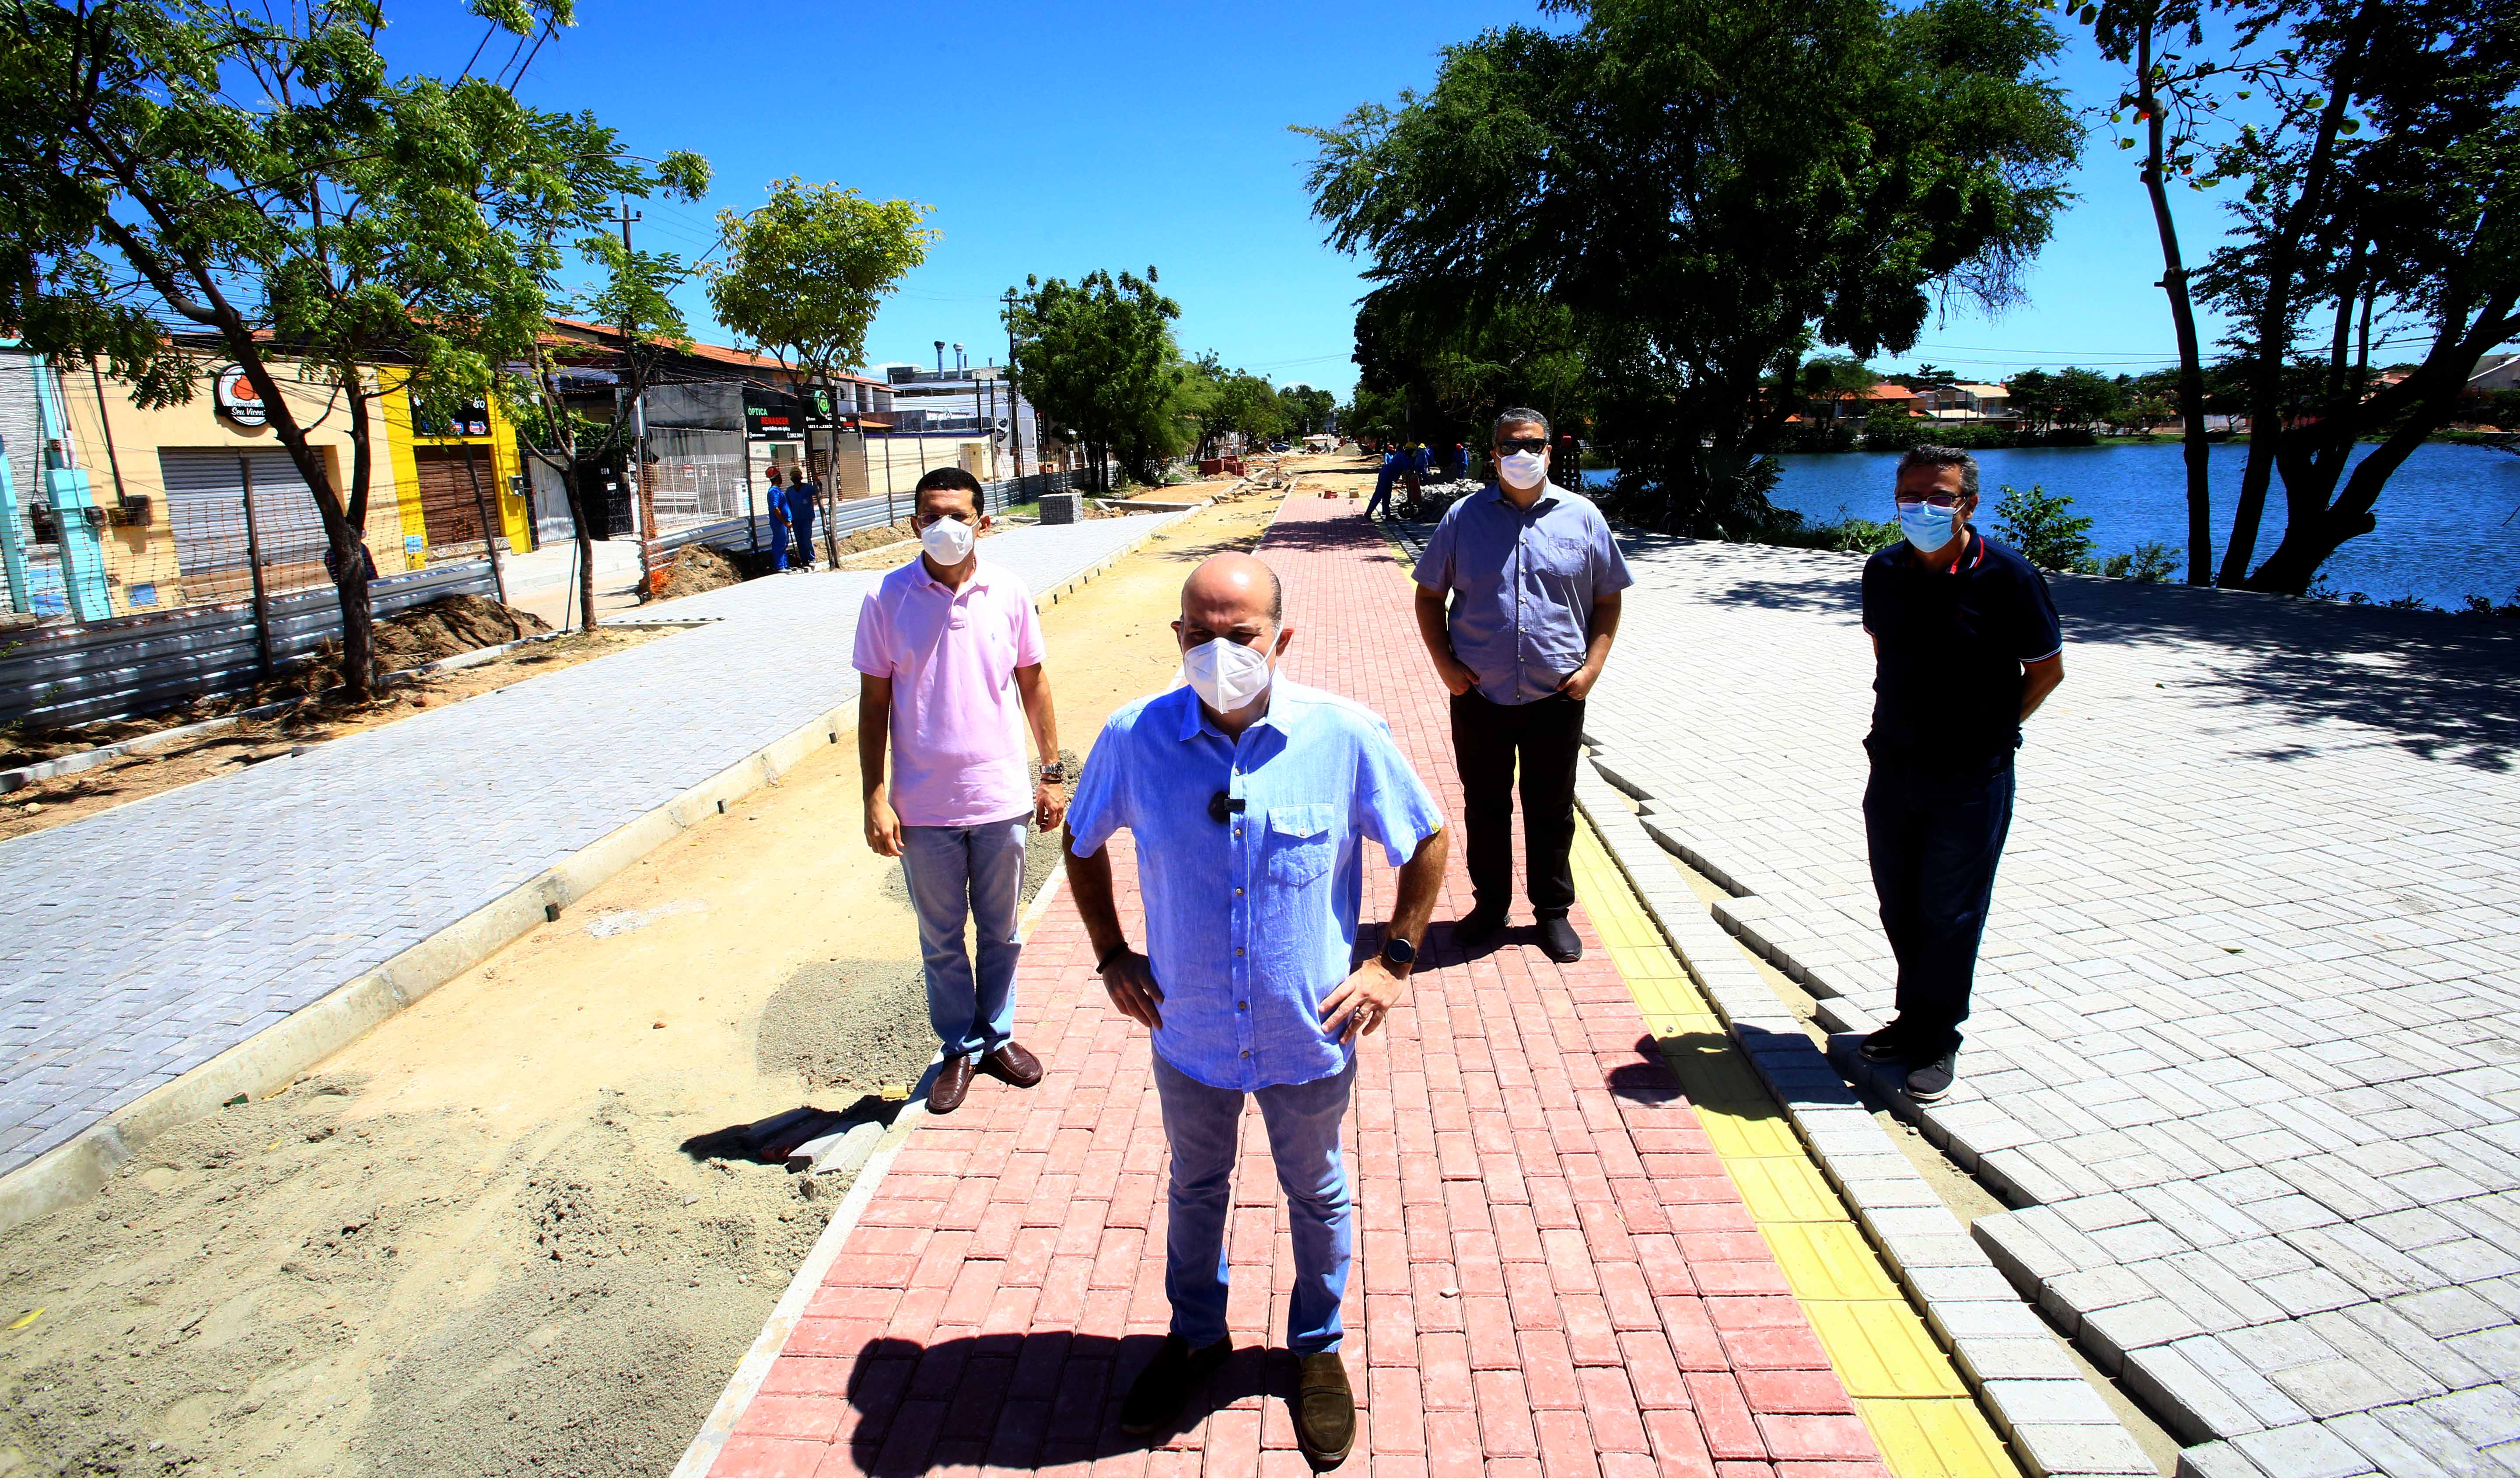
<point x="1522" y="469"/>
<point x="1226" y="674"/>
<point x="948" y="541"/>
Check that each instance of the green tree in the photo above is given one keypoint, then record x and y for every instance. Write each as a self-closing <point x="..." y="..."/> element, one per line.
<point x="1707" y="188"/>
<point x="1306" y="409"/>
<point x="2166" y="93"/>
<point x="804" y="274"/>
<point x="2043" y="528"/>
<point x="1097" y="359"/>
<point x="632" y="293"/>
<point x="2084" y="398"/>
<point x="1450" y="375"/>
<point x="263" y="178"/>
<point x="2380" y="193"/>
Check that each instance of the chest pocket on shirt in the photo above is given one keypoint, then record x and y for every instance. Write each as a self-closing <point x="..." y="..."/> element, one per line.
<point x="1299" y="842"/>
<point x="1559" y="556"/>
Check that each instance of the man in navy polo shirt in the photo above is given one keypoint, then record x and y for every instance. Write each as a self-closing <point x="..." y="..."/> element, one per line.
<point x="1965" y="646"/>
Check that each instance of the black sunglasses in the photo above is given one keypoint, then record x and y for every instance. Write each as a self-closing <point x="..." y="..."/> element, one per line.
<point x="1523" y="444"/>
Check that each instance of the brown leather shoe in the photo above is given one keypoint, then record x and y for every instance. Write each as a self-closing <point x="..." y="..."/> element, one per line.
<point x="952" y="1082"/>
<point x="1324" y="1410"/>
<point x="1010" y="1063"/>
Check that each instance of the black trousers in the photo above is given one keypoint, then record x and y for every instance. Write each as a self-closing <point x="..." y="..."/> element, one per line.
<point x="1546" y="737"/>
<point x="1935" y="832"/>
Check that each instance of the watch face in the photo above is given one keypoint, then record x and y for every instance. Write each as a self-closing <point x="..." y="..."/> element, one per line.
<point x="1399" y="951"/>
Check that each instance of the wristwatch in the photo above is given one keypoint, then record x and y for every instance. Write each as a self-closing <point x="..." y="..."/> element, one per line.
<point x="1399" y="952"/>
<point x="1054" y="774"/>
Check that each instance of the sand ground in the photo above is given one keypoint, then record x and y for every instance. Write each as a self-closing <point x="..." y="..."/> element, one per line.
<point x="472" y="1244"/>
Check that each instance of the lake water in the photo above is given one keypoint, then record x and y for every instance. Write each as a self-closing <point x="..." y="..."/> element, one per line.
<point x="2443" y="531"/>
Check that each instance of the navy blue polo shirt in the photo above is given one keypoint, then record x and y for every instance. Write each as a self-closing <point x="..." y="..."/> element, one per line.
<point x="1953" y="638"/>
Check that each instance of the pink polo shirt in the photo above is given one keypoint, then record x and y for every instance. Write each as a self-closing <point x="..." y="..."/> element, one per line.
<point x="958" y="741"/>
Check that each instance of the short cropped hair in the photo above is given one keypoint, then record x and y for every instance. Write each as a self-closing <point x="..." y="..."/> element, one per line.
<point x="946" y="480"/>
<point x="1943" y="457"/>
<point x="1513" y="415"/>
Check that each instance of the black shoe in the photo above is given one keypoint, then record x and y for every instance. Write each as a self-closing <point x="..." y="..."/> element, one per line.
<point x="1931" y="1081"/>
<point x="1479" y="927"/>
<point x="1325" y="1411"/>
<point x="1161" y="1389"/>
<point x="1885" y="1045"/>
<point x="1559" y="941"/>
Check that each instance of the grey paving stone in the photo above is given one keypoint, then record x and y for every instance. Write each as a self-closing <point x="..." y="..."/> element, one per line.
<point x="2256" y="1020"/>
<point x="2305" y="1450"/>
<point x="2216" y="1460"/>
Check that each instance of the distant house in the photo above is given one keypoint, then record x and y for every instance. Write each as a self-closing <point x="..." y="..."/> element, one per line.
<point x="1855" y="405"/>
<point x="1972" y="403"/>
<point x="2495" y="372"/>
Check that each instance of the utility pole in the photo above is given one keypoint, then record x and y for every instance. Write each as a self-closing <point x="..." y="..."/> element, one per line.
<point x="638" y="469"/>
<point x="1014" y="406"/>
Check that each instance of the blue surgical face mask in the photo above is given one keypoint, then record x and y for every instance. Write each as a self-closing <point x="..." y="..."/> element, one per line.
<point x="1926" y="527"/>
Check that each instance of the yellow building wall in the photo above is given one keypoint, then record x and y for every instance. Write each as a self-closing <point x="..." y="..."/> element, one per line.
<point x="141" y="569"/>
<point x="507" y="463"/>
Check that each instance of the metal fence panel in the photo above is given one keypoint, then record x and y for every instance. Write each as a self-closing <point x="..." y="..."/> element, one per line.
<point x="133" y="665"/>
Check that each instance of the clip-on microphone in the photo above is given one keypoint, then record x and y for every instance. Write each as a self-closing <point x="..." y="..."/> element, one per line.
<point x="1221" y="806"/>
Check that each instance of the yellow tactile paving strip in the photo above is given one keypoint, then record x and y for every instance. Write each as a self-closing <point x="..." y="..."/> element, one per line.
<point x="1909" y="1395"/>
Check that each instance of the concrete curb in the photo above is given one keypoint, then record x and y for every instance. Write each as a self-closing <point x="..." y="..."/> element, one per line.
<point x="266" y="1062"/>
<point x="2054" y="1421"/>
<point x="755" y="1368"/>
<point x="81" y="760"/>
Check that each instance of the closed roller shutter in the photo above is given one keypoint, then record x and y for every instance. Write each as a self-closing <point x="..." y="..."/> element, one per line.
<point x="448" y="510"/>
<point x="205" y="507"/>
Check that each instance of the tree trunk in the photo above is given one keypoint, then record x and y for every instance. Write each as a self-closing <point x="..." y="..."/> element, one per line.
<point x="2274" y="312"/>
<point x="350" y="570"/>
<point x="2182" y="317"/>
<point x="585" y="538"/>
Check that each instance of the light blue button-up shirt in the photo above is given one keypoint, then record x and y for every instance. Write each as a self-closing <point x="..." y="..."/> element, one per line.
<point x="1522" y="583"/>
<point x="1252" y="922"/>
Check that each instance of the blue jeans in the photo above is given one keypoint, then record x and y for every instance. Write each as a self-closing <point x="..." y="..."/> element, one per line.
<point x="1203" y="1125"/>
<point x="1935" y="830"/>
<point x="1381" y="497"/>
<point x="975" y="871"/>
<point x="778" y="543"/>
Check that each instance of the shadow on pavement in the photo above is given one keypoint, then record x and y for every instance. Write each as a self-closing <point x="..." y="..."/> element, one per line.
<point x="1024" y="1400"/>
<point x="2443" y="687"/>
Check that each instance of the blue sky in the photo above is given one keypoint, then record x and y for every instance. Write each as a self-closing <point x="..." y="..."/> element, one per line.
<point x="1053" y="140"/>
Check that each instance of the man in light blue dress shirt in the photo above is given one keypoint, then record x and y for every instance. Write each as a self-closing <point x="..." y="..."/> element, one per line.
<point x="1533" y="578"/>
<point x="1250" y="799"/>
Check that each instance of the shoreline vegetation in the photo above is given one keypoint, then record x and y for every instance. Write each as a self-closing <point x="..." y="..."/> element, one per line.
<point x="2043" y="528"/>
<point x="1856" y="436"/>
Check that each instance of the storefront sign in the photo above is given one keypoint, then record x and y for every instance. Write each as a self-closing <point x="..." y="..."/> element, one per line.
<point x="234" y="398"/>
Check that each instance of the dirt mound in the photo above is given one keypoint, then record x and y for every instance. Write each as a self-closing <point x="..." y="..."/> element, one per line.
<point x="851" y="1025"/>
<point x="449" y="626"/>
<point x="293" y="1288"/>
<point x="696" y="569"/>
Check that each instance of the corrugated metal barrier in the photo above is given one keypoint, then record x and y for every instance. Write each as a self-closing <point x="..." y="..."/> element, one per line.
<point x="57" y="676"/>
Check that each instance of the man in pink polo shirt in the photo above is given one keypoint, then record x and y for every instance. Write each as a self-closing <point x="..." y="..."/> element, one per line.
<point x="946" y="648"/>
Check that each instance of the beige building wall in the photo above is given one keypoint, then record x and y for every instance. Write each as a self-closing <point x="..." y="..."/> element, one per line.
<point x="118" y="444"/>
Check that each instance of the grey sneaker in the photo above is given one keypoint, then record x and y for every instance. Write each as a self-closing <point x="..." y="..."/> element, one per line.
<point x="1929" y="1081"/>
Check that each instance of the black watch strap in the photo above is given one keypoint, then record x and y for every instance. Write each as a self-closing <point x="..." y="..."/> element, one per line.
<point x="1110" y="956"/>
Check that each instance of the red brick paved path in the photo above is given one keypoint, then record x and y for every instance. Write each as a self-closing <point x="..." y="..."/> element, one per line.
<point x="1554" y="1274"/>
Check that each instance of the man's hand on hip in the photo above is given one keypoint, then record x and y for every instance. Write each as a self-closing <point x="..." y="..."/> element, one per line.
<point x="1362" y="1002"/>
<point x="1457" y="675"/>
<point x="1580" y="682"/>
<point x="882" y="826"/>
<point x="1130" y="979"/>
